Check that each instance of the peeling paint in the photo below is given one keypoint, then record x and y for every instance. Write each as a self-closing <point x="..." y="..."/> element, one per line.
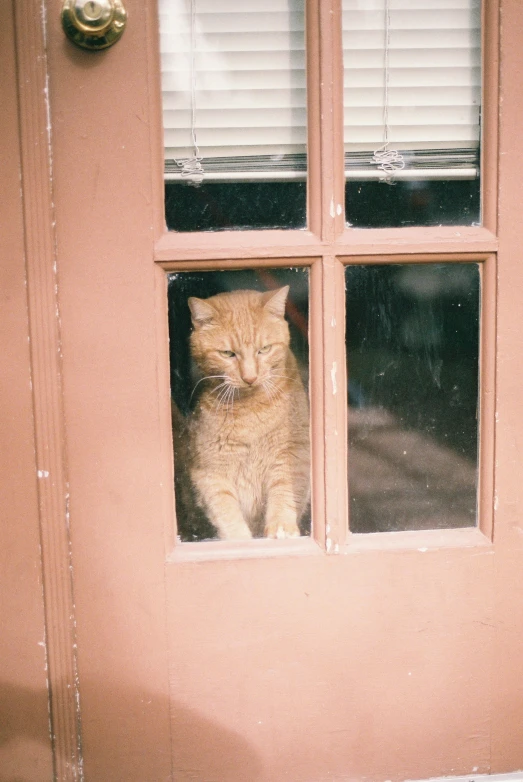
<point x="333" y="378"/>
<point x="43" y="473"/>
<point x="338" y="209"/>
<point x="328" y="544"/>
<point x="332" y="209"/>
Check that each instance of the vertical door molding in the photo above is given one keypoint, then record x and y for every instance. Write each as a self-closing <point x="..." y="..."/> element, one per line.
<point x="44" y="324"/>
<point x="335" y="401"/>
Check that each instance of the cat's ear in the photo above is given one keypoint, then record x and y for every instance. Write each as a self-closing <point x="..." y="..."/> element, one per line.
<point x="274" y="301"/>
<point x="202" y="312"/>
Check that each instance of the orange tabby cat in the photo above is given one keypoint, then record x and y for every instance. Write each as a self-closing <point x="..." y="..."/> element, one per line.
<point x="249" y="433"/>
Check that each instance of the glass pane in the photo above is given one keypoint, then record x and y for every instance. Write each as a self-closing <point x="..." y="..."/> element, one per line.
<point x="239" y="381"/>
<point x="412" y="96"/>
<point x="412" y="356"/>
<point x="234" y="109"/>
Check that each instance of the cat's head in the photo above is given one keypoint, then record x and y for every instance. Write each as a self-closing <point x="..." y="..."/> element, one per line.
<point x="241" y="336"/>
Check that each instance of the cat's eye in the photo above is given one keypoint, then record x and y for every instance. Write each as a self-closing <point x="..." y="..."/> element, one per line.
<point x="265" y="349"/>
<point x="227" y="353"/>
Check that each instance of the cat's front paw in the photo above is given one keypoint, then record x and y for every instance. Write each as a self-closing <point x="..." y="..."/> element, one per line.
<point x="281" y="529"/>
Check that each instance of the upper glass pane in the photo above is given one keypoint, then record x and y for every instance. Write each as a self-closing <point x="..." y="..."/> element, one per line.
<point x="412" y="96"/>
<point x="234" y="112"/>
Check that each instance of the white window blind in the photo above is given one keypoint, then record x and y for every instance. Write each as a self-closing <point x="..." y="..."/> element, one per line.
<point x="234" y="96"/>
<point x="233" y="71"/>
<point x="412" y="78"/>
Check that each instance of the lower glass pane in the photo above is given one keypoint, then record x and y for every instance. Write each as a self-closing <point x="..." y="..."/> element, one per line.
<point x="412" y="354"/>
<point x="239" y="381"/>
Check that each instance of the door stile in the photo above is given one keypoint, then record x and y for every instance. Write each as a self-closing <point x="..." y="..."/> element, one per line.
<point x="164" y="410"/>
<point x="335" y="404"/>
<point x="490" y="26"/>
<point x="317" y="404"/>
<point x="314" y="137"/>
<point x="487" y="396"/>
<point x="154" y="116"/>
<point x="44" y="323"/>
<point x="330" y="119"/>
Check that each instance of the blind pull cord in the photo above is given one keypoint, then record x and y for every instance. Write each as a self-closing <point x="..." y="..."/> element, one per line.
<point x="387" y="160"/>
<point x="191" y="168"/>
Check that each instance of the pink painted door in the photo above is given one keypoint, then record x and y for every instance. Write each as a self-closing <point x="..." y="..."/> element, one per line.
<point x="341" y="656"/>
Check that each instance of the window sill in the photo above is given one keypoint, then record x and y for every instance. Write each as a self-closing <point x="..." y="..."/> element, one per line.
<point x="258" y="548"/>
<point x="418" y="540"/>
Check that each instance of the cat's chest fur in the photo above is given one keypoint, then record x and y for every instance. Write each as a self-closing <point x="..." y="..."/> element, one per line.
<point x="248" y="433"/>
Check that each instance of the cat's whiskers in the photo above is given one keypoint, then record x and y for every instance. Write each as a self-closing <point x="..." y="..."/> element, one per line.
<point x="267" y="390"/>
<point x="207" y="377"/>
<point x="231" y="399"/>
<point x="228" y="399"/>
<point x="275" y="388"/>
<point x="271" y="389"/>
<point x="221" y="396"/>
<point x="226" y="383"/>
<point x="225" y="397"/>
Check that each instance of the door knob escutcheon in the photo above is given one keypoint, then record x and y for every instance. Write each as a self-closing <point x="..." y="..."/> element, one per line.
<point x="93" y="24"/>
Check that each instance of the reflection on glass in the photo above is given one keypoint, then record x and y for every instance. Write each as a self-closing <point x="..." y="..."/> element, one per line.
<point x="412" y="93"/>
<point x="239" y="378"/>
<point x="412" y="355"/>
<point x="234" y="110"/>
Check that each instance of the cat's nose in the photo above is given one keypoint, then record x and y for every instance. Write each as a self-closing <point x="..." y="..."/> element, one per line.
<point x="249" y="378"/>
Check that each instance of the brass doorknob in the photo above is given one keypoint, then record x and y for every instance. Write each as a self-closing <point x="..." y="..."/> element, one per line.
<point x="93" y="24"/>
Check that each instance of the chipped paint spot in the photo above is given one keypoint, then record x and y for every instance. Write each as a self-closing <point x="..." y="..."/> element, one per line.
<point x="327" y="528"/>
<point x="328" y="544"/>
<point x="333" y="378"/>
<point x="332" y="212"/>
<point x="43" y="473"/>
<point x="423" y="550"/>
<point x="338" y="209"/>
<point x="496" y="501"/>
<point x="333" y="322"/>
